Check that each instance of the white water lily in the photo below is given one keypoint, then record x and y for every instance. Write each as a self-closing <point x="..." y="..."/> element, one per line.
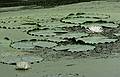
<point x="95" y="29"/>
<point x="22" y="65"/>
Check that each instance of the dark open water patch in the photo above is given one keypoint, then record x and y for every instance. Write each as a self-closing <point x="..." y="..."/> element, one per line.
<point x="50" y="3"/>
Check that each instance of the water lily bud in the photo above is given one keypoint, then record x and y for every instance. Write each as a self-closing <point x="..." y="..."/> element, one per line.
<point x="22" y="65"/>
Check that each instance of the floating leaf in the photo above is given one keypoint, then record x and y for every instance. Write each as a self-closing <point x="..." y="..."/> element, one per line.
<point x="111" y="25"/>
<point x="73" y="35"/>
<point x="79" y="20"/>
<point x="117" y="33"/>
<point x="47" y="32"/>
<point x="29" y="45"/>
<point x="55" y="39"/>
<point x="74" y="48"/>
<point x="25" y="58"/>
<point x="56" y="24"/>
<point x="92" y="15"/>
<point x="23" y="45"/>
<point x="18" y="22"/>
<point x="96" y="39"/>
<point x="89" y="15"/>
<point x="43" y="33"/>
<point x="44" y="44"/>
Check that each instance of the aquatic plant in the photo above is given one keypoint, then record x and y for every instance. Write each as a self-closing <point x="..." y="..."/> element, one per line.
<point x="18" y="22"/>
<point x="46" y="32"/>
<point x="80" y="18"/>
<point x="29" y="45"/>
<point x="56" y="24"/>
<point x="100" y="24"/>
<point x="74" y="48"/>
<point x="89" y="15"/>
<point x="55" y="39"/>
<point x="23" y="58"/>
<point x="23" y="65"/>
<point x="73" y="35"/>
<point x="96" y="39"/>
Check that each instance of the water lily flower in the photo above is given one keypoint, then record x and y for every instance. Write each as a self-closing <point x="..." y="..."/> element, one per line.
<point x="95" y="29"/>
<point x="22" y="65"/>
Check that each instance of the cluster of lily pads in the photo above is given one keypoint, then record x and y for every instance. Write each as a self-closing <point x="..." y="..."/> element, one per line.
<point x="55" y="32"/>
<point x="57" y="36"/>
<point x="31" y="44"/>
<point x="19" y="22"/>
<point x="80" y="18"/>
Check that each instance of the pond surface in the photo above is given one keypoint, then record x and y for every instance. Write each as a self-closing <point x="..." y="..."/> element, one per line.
<point x="87" y="67"/>
<point x="84" y="67"/>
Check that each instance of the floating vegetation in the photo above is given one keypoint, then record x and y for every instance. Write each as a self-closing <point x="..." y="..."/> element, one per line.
<point x="42" y="33"/>
<point x="44" y="44"/>
<point x="73" y="35"/>
<point x="88" y="15"/>
<point x="46" y="33"/>
<point x="55" y="39"/>
<point x="55" y="35"/>
<point x="23" y="58"/>
<point x="19" y="22"/>
<point x="23" y="45"/>
<point x="93" y="15"/>
<point x="117" y="33"/>
<point x="96" y="39"/>
<point x="29" y="45"/>
<point x="100" y="24"/>
<point x="78" y="20"/>
<point x="56" y="24"/>
<point x="74" y="48"/>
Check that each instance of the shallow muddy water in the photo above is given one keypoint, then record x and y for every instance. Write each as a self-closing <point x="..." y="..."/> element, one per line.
<point x="84" y="67"/>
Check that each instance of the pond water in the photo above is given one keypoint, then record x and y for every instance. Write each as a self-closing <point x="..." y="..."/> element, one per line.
<point x="84" y="67"/>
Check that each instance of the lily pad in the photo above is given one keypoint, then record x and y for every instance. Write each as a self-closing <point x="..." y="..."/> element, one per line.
<point x="25" y="58"/>
<point x="44" y="44"/>
<point x="110" y="25"/>
<point x="73" y="35"/>
<point x="96" y="39"/>
<point x="23" y="45"/>
<point x="93" y="15"/>
<point x="47" y="32"/>
<point x="78" y="20"/>
<point x="42" y="33"/>
<point x="56" y="24"/>
<point x="29" y="45"/>
<point x="55" y="39"/>
<point x="89" y="15"/>
<point x="74" y="48"/>
<point x="117" y="34"/>
<point x="18" y="22"/>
